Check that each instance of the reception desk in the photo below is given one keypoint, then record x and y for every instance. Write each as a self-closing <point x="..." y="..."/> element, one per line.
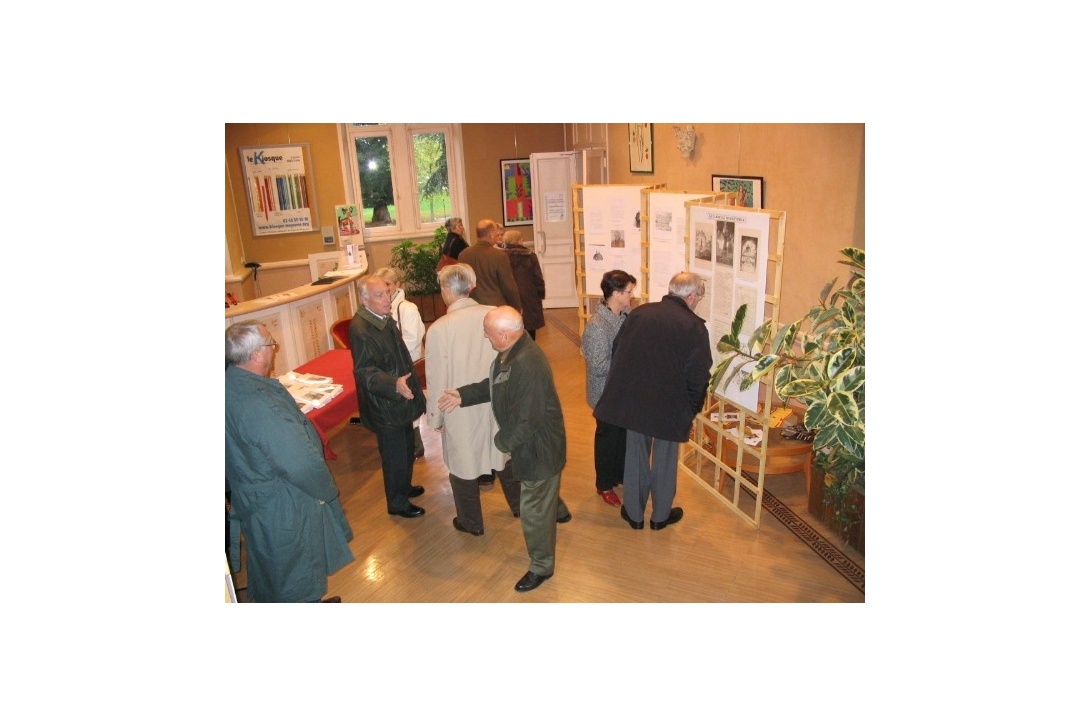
<point x="299" y="319"/>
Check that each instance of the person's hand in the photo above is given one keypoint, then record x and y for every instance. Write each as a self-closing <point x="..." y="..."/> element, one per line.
<point x="450" y="400"/>
<point x="403" y="386"/>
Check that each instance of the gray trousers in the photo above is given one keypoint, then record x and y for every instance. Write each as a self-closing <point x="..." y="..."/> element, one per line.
<point x="650" y="469"/>
<point x="467" y="497"/>
<point x="541" y="505"/>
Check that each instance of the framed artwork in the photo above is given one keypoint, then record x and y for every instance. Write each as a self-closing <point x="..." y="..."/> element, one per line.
<point x="641" y="153"/>
<point x="740" y="191"/>
<point x="279" y="188"/>
<point x="518" y="204"/>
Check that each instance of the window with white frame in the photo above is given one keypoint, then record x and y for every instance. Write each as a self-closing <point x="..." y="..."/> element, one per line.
<point x="407" y="178"/>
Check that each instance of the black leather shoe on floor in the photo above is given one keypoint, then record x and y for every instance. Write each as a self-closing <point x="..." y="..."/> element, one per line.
<point x="416" y="491"/>
<point x="675" y="515"/>
<point x="530" y="581"/>
<point x="459" y="528"/>
<point x="635" y="525"/>
<point x="410" y="511"/>
<point x="565" y="519"/>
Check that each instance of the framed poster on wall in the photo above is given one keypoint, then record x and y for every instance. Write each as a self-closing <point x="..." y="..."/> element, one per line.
<point x="518" y="205"/>
<point x="740" y="191"/>
<point x="279" y="188"/>
<point x="641" y="152"/>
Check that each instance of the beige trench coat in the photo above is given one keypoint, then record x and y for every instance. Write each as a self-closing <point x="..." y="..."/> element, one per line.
<point x="459" y="354"/>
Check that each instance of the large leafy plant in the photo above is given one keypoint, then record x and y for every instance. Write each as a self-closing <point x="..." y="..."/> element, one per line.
<point x="417" y="261"/>
<point x="820" y="361"/>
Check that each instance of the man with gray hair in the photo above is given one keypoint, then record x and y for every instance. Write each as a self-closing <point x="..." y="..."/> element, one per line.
<point x="657" y="383"/>
<point x="283" y="497"/>
<point x="388" y="393"/>
<point x="523" y="395"/>
<point x="457" y="355"/>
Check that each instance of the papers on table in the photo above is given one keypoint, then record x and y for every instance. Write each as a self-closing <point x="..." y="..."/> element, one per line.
<point x="310" y="391"/>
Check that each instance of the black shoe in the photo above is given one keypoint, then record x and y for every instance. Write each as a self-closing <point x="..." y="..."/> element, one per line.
<point x="565" y="519"/>
<point x="416" y="491"/>
<point x="675" y="515"/>
<point x="459" y="528"/>
<point x="530" y="581"/>
<point x="410" y="511"/>
<point x="635" y="525"/>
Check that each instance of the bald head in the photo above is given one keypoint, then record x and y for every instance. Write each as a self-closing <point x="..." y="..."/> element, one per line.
<point x="489" y="231"/>
<point x="503" y="327"/>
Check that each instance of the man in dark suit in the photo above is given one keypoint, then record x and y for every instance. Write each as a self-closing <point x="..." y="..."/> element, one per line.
<point x="656" y="384"/>
<point x="496" y="283"/>
<point x="388" y="392"/>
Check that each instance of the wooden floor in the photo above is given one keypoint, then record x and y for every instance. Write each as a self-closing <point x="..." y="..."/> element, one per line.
<point x="711" y="556"/>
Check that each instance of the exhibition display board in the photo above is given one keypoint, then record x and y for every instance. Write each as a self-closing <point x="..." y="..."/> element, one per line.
<point x="738" y="252"/>
<point x="607" y="222"/>
<point x="652" y="233"/>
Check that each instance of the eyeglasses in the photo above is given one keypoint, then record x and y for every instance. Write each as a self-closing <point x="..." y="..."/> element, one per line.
<point x="274" y="345"/>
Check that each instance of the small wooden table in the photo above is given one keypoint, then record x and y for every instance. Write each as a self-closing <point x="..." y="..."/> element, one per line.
<point x="784" y="456"/>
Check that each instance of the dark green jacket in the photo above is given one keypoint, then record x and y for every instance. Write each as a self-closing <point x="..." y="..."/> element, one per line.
<point x="527" y="409"/>
<point x="276" y="471"/>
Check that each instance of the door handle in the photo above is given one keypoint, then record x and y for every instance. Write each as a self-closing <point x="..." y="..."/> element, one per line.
<point x="544" y="244"/>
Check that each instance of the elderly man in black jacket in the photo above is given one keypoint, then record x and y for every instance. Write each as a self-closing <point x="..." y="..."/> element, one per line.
<point x="657" y="383"/>
<point x="531" y="427"/>
<point x="388" y="393"/>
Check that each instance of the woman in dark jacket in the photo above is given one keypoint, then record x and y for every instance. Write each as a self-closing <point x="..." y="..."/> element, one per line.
<point x="456" y="241"/>
<point x="530" y="280"/>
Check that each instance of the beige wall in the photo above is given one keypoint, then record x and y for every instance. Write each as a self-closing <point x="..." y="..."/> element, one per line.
<point x="813" y="172"/>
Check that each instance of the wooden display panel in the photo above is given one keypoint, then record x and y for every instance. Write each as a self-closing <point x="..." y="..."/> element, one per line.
<point x="714" y="454"/>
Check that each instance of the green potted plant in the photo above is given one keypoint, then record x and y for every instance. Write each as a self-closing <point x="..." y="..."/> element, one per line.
<point x="417" y="262"/>
<point x="820" y="361"/>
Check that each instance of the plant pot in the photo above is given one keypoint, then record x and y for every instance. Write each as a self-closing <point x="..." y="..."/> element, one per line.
<point x="431" y="307"/>
<point x="852" y="534"/>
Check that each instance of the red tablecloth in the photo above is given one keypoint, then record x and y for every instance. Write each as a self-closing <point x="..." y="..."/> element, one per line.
<point x="337" y="364"/>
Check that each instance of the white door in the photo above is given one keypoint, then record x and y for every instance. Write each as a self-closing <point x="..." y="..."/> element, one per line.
<point x="551" y="176"/>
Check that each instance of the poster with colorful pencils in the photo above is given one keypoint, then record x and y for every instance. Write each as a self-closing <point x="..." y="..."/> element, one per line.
<point x="279" y="188"/>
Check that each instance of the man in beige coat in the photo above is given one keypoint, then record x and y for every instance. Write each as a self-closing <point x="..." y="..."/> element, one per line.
<point x="458" y="354"/>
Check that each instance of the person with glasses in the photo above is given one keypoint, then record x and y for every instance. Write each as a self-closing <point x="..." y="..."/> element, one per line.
<point x="282" y="495"/>
<point x="657" y="384"/>
<point x="597" y="347"/>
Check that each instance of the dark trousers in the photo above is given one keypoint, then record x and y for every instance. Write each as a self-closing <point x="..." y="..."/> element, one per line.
<point x="609" y="450"/>
<point x="395" y="447"/>
<point x="467" y="498"/>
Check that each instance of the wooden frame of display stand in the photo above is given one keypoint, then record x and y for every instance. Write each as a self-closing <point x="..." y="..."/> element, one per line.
<point x="714" y="445"/>
<point x="588" y="301"/>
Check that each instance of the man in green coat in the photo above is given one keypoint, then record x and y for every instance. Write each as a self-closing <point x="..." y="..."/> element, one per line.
<point x="531" y="427"/>
<point x="283" y="497"/>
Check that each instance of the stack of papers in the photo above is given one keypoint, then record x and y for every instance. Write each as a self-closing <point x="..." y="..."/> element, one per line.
<point x="310" y="391"/>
